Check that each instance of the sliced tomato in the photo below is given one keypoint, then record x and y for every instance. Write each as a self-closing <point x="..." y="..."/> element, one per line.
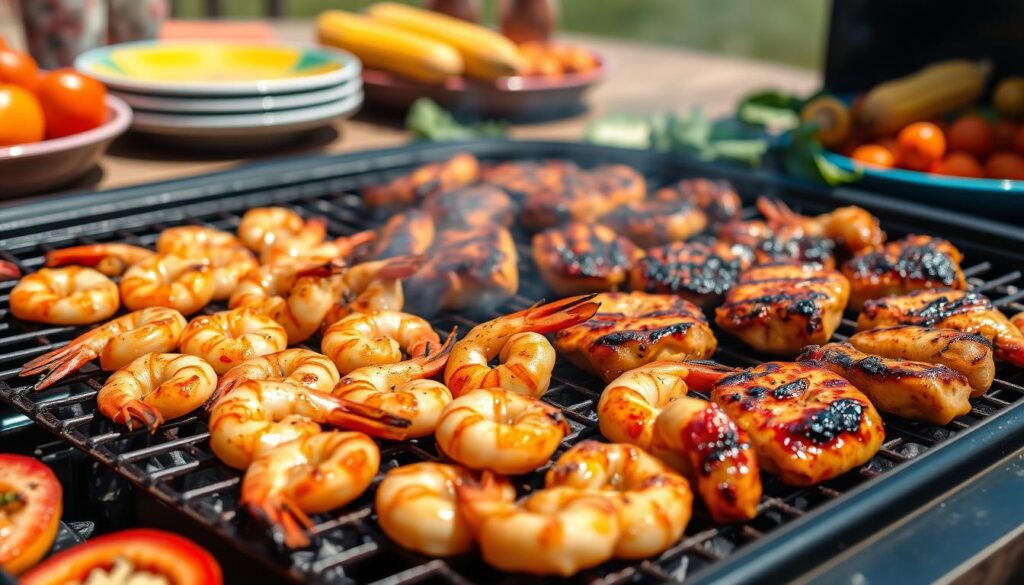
<point x="30" y="506"/>
<point x="179" y="560"/>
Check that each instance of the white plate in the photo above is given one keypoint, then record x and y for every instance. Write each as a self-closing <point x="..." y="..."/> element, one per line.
<point x="237" y="105"/>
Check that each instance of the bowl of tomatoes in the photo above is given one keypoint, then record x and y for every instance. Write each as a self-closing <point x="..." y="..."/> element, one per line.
<point x="54" y="125"/>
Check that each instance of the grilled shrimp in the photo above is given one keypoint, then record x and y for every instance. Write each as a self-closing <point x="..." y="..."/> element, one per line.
<point x="459" y="171"/>
<point x="527" y="356"/>
<point x="301" y="367"/>
<point x="578" y="258"/>
<point x="290" y="252"/>
<point x="229" y="266"/>
<point x="110" y="259"/>
<point x="852" y="226"/>
<point x="405" y="234"/>
<point x="264" y="227"/>
<point x="155" y="387"/>
<point x="298" y="297"/>
<point x="184" y="284"/>
<point x="717" y="199"/>
<point x="913" y="263"/>
<point x="116" y="343"/>
<point x="64" y="296"/>
<point x="417" y="507"/>
<point x="9" y="271"/>
<point x="311" y="475"/>
<point x="402" y="389"/>
<point x="373" y="286"/>
<point x="495" y="429"/>
<point x="191" y="241"/>
<point x="227" y="338"/>
<point x="480" y="206"/>
<point x="377" y="338"/>
<point x="700" y="272"/>
<point x="653" y="503"/>
<point x="656" y="222"/>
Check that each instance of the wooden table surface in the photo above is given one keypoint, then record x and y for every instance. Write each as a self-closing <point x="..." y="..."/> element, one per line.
<point x="644" y="79"/>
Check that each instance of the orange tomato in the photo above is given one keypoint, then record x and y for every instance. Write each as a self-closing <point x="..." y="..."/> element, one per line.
<point x="1005" y="165"/>
<point x="920" y="145"/>
<point x="18" y="68"/>
<point x="959" y="164"/>
<point x="971" y="134"/>
<point x="71" y="102"/>
<point x="1003" y="133"/>
<point x="548" y="66"/>
<point x="874" y="155"/>
<point x="579" y="60"/>
<point x="21" y="118"/>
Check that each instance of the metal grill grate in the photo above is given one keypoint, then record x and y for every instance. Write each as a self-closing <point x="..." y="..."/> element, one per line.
<point x="177" y="467"/>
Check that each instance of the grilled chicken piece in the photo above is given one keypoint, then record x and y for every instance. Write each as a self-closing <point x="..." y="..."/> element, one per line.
<point x="718" y="199"/>
<point x="913" y="263"/>
<point x="851" y="227"/>
<point x="479" y="206"/>
<point x="779" y="308"/>
<point x="969" y="354"/>
<point x="580" y="258"/>
<point x="459" y="171"/>
<point x="932" y="393"/>
<point x="780" y="246"/>
<point x="965" y="311"/>
<point x="633" y="329"/>
<point x="406" y="234"/>
<point x="473" y="270"/>
<point x="700" y="272"/>
<point x="807" y="424"/>
<point x="652" y="222"/>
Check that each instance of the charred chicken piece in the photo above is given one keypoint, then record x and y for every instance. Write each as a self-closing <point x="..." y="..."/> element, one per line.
<point x="406" y="234"/>
<point x="932" y="393"/>
<point x="851" y="227"/>
<point x="718" y="199"/>
<point x="473" y="270"/>
<point x="913" y="263"/>
<point x="479" y="206"/>
<point x="779" y="308"/>
<point x="580" y="258"/>
<point x="461" y="170"/>
<point x="700" y="272"/>
<point x="784" y="245"/>
<point x="652" y="222"/>
<point x="967" y="353"/>
<point x="807" y="423"/>
<point x="965" y="311"/>
<point x="633" y="329"/>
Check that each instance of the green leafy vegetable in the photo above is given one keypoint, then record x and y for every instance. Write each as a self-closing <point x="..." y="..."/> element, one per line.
<point x="430" y="121"/>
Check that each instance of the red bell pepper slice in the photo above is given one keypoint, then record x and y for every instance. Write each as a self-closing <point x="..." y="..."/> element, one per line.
<point x="30" y="507"/>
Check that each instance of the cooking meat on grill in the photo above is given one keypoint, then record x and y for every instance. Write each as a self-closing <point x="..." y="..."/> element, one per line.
<point x="782" y="245"/>
<point x="578" y="258"/>
<point x="461" y="170"/>
<point x="779" y="308"/>
<point x="851" y="227"/>
<point x="654" y="222"/>
<point x="807" y="423"/>
<point x="967" y="353"/>
<point x="465" y="269"/>
<point x="966" y="311"/>
<point x="700" y="272"/>
<point x="913" y="263"/>
<point x="409" y="233"/>
<point x="478" y="206"/>
<point x="717" y="198"/>
<point x="633" y="329"/>
<point x="914" y="390"/>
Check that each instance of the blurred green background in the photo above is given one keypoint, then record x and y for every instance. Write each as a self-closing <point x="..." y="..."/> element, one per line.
<point x="788" y="31"/>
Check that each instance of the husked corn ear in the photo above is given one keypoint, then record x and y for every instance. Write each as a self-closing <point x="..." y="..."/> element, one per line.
<point x="486" y="54"/>
<point x="388" y="48"/>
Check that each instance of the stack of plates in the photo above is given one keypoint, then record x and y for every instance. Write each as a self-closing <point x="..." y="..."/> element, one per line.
<point x="225" y="95"/>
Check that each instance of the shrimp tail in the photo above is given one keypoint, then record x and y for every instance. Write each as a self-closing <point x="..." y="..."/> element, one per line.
<point x="401" y="266"/>
<point x="703" y="374"/>
<point x="560" y="314"/>
<point x="9" y="270"/>
<point x="368" y="419"/>
<point x="347" y="245"/>
<point x="775" y="211"/>
<point x="137" y="411"/>
<point x="477" y="496"/>
<point x="58" y="364"/>
<point x="87" y="255"/>
<point x="281" y="512"/>
<point x="432" y="363"/>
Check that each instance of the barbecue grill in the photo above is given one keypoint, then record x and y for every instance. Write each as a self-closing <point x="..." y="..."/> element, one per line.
<point x="795" y="530"/>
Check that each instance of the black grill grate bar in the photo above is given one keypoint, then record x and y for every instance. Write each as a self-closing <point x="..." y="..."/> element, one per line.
<point x="996" y="283"/>
<point x="167" y="447"/>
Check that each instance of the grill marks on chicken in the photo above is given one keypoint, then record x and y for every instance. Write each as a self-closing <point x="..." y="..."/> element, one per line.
<point x="478" y="206"/>
<point x="774" y="246"/>
<point x="578" y="258"/>
<point x="716" y="198"/>
<point x="700" y="272"/>
<point x="460" y="170"/>
<point x="406" y="234"/>
<point x="913" y="263"/>
<point x="655" y="222"/>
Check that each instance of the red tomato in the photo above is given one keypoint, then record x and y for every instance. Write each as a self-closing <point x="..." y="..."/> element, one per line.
<point x="971" y="134"/>
<point x="1003" y="133"/>
<point x="31" y="506"/>
<point x="1005" y="165"/>
<point x="959" y="164"/>
<point x="21" y="118"/>
<point x="71" y="102"/>
<point x="920" y="145"/>
<point x="18" y="68"/>
<point x="875" y="155"/>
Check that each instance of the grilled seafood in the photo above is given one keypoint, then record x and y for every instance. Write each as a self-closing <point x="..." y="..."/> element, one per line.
<point x="527" y="357"/>
<point x="227" y="338"/>
<point x="633" y="329"/>
<point x="117" y="343"/>
<point x="301" y="367"/>
<point x="311" y="475"/>
<point x="155" y="387"/>
<point x="700" y="272"/>
<point x="183" y="284"/>
<point x="373" y="286"/>
<point x="377" y="338"/>
<point x="71" y="295"/>
<point x="340" y="249"/>
<point x="502" y="431"/>
<point x="653" y="502"/>
<point x="965" y="311"/>
<point x="780" y="308"/>
<point x="417" y="507"/>
<point x="780" y="246"/>
<point x="716" y="198"/>
<point x="914" y="390"/>
<point x="110" y="259"/>
<point x="459" y="171"/>
<point x="967" y="353"/>
<point x="229" y="266"/>
<point x="466" y="269"/>
<point x="192" y="241"/>
<point x="578" y="258"/>
<point x="480" y="206"/>
<point x="915" y="262"/>
<point x="402" y="389"/>
<point x="807" y="423"/>
<point x="656" y="222"/>
<point x="406" y="234"/>
<point x="297" y="296"/>
<point x="264" y="227"/>
<point x="9" y="271"/>
<point x="851" y="226"/>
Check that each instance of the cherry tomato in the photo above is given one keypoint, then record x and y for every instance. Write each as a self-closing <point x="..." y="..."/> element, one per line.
<point x="920" y="145"/>
<point x="71" y="102"/>
<point x="1003" y="134"/>
<point x="18" y="68"/>
<point x="1005" y="165"/>
<point x="959" y="164"/>
<point x="875" y="155"/>
<point x="21" y="118"/>
<point x="971" y="134"/>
